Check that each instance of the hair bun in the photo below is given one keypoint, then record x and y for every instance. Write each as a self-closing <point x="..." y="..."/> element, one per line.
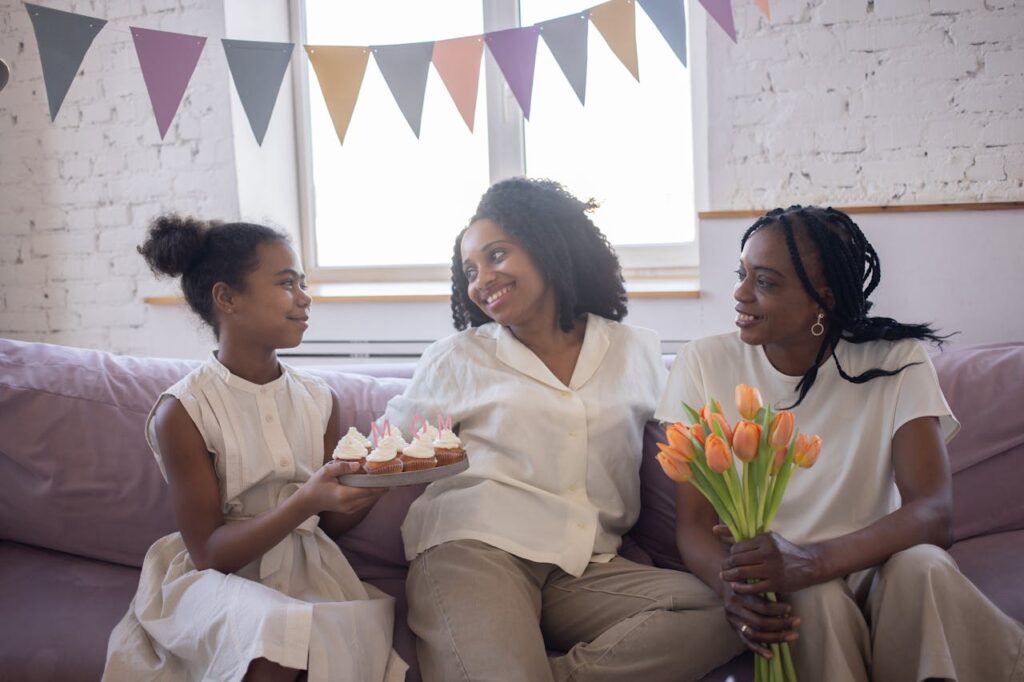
<point x="174" y="244"/>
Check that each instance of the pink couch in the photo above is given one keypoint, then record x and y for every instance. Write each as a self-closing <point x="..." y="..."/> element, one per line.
<point x="81" y="498"/>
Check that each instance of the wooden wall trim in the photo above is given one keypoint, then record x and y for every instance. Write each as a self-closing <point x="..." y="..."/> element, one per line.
<point x="906" y="208"/>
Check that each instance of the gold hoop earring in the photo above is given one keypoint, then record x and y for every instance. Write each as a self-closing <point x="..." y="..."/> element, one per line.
<point x="817" y="329"/>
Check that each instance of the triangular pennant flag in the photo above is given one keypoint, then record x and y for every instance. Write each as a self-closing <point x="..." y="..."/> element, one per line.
<point x="404" y="68"/>
<point x="63" y="39"/>
<point x="340" y="71"/>
<point x="515" y="50"/>
<point x="458" y="63"/>
<point x="721" y="12"/>
<point x="616" y="20"/>
<point x="765" y="9"/>
<point x="257" y="69"/>
<point x="669" y="17"/>
<point x="168" y="61"/>
<point x="567" y="39"/>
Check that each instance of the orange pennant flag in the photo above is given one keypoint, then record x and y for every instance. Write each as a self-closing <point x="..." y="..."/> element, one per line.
<point x="340" y="71"/>
<point x="616" y="20"/>
<point x="458" y="63"/>
<point x="765" y="9"/>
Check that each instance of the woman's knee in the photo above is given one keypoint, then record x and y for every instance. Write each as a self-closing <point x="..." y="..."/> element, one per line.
<point x="916" y="564"/>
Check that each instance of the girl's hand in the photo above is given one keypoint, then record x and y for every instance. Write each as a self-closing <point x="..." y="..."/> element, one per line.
<point x="771" y="563"/>
<point x="759" y="622"/>
<point x="324" y="493"/>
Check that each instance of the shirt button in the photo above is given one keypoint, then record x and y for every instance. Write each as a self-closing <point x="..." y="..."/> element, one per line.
<point x="269" y="418"/>
<point x="580" y="525"/>
<point x="283" y="462"/>
<point x="573" y="434"/>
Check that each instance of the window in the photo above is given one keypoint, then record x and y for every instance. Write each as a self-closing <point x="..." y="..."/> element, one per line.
<point x="386" y="206"/>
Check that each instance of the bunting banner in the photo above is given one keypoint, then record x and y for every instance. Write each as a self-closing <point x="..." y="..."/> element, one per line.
<point x="765" y="9"/>
<point x="616" y="21"/>
<point x="515" y="51"/>
<point x="721" y="12"/>
<point x="257" y="69"/>
<point x="340" y="71"/>
<point x="458" y="63"/>
<point x="63" y="39"/>
<point x="404" y="68"/>
<point x="566" y="37"/>
<point x="669" y="17"/>
<point x="168" y="61"/>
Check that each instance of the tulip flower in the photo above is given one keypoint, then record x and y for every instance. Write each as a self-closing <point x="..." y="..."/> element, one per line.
<point x="717" y="452"/>
<point x="679" y="441"/>
<point x="748" y="401"/>
<point x="781" y="430"/>
<point x="719" y="418"/>
<point x="676" y="470"/>
<point x="806" y="450"/>
<point x="778" y="458"/>
<point x="711" y="408"/>
<point x="745" y="440"/>
<point x="697" y="430"/>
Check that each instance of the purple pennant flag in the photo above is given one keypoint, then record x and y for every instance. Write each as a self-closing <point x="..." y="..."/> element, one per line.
<point x="168" y="61"/>
<point x="404" y="68"/>
<point x="567" y="39"/>
<point x="63" y="39"/>
<point x="669" y="17"/>
<point x="515" y="50"/>
<point x="721" y="12"/>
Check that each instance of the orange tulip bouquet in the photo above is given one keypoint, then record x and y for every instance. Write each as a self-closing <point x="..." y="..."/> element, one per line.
<point x="768" y="445"/>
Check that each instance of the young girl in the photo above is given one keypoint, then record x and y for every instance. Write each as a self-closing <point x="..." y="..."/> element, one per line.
<point x="253" y="586"/>
<point x="550" y="394"/>
<point x="856" y="547"/>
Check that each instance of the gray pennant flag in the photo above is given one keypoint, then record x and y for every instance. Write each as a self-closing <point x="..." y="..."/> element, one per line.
<point x="669" y="16"/>
<point x="63" y="39"/>
<point x="404" y="68"/>
<point x="257" y="68"/>
<point x="567" y="39"/>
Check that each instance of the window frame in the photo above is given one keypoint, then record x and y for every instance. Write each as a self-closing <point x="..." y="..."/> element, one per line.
<point x="506" y="147"/>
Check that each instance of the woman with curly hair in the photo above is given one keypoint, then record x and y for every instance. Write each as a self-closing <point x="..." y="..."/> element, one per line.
<point x="518" y="555"/>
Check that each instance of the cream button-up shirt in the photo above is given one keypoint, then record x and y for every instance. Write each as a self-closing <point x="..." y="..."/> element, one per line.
<point x="553" y="469"/>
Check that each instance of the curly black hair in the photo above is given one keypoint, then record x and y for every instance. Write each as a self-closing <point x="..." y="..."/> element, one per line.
<point x="205" y="253"/>
<point x="554" y="228"/>
<point x="852" y="271"/>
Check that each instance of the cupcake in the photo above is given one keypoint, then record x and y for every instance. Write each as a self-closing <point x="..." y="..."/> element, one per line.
<point x="383" y="459"/>
<point x="419" y="454"/>
<point x="354" y="434"/>
<point x="351" y="448"/>
<point x="448" y="448"/>
<point x="393" y="435"/>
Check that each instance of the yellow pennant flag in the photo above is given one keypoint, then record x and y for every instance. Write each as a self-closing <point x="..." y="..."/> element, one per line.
<point x="340" y="71"/>
<point x="616" y="20"/>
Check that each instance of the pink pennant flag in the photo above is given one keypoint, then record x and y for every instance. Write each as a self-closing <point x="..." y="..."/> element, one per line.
<point x="168" y="61"/>
<point x="721" y="12"/>
<point x="515" y="50"/>
<point x="765" y="9"/>
<point x="458" y="63"/>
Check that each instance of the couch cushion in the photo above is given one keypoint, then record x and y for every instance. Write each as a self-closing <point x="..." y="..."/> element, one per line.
<point x="993" y="562"/>
<point x="89" y="596"/>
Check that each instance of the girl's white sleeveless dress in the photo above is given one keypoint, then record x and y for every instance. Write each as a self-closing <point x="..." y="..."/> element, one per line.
<point x="300" y="605"/>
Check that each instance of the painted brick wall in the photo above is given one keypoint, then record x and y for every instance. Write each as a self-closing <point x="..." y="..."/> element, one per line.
<point x="867" y="102"/>
<point x="76" y="195"/>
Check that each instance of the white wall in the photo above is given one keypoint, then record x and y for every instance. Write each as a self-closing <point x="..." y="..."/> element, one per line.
<point x="834" y="101"/>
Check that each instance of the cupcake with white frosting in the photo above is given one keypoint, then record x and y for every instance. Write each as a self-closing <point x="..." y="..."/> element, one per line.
<point x="448" y="448"/>
<point x="419" y="454"/>
<point x="352" y="447"/>
<point x="383" y="459"/>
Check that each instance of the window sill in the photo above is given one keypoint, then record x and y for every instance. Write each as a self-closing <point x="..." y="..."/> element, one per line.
<point x="383" y="292"/>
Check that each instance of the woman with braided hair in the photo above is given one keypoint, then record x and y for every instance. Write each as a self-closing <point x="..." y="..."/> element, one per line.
<point x="857" y="546"/>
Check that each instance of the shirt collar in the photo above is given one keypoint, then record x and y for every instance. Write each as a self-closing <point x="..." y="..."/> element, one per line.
<point x="512" y="352"/>
<point x="238" y="382"/>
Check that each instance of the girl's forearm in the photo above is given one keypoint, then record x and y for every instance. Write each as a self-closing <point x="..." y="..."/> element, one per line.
<point x="923" y="521"/>
<point x="703" y="553"/>
<point x="233" y="545"/>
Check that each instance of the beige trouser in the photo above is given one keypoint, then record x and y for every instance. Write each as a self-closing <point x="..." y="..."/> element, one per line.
<point x="916" y="617"/>
<point x="480" y="613"/>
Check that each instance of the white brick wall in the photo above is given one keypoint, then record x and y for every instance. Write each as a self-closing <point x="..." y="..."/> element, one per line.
<point x="867" y="102"/>
<point x="76" y="195"/>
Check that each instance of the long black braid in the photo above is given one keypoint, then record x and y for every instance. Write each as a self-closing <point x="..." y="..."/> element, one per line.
<point x="572" y="254"/>
<point x="852" y="271"/>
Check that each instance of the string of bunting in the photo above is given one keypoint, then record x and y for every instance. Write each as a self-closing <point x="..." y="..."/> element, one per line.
<point x="257" y="68"/>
